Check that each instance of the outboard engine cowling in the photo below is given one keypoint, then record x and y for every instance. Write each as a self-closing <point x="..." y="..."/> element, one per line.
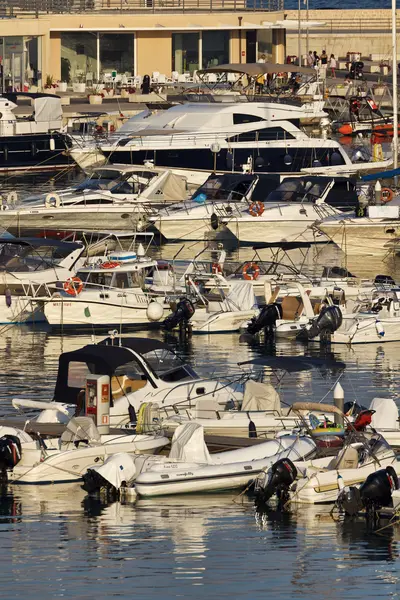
<point x="280" y="477"/>
<point x="266" y="319"/>
<point x="183" y="313"/>
<point x="10" y="452"/>
<point x="376" y="491"/>
<point x="328" y="321"/>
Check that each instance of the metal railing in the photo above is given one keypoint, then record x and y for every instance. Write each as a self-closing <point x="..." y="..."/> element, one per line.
<point x="26" y="8"/>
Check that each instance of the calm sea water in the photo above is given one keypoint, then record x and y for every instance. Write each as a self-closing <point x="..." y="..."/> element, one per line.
<point x="57" y="542"/>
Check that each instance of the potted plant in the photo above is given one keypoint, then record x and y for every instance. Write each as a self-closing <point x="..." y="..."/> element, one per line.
<point x="108" y="91"/>
<point x="79" y="86"/>
<point x="96" y="96"/>
<point x="62" y="86"/>
<point x="50" y="86"/>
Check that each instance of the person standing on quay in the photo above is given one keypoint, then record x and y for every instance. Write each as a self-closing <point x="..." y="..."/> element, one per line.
<point x="310" y="59"/>
<point x="333" y="65"/>
<point x="324" y="61"/>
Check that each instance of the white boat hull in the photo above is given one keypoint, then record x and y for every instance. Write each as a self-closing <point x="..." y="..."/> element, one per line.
<point x="363" y="237"/>
<point x="258" y="230"/>
<point x="69" y="465"/>
<point x="23" y="310"/>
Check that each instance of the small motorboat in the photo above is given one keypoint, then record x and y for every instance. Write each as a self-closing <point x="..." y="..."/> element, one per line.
<point x="322" y="479"/>
<point x="141" y="370"/>
<point x="24" y="459"/>
<point x="190" y="468"/>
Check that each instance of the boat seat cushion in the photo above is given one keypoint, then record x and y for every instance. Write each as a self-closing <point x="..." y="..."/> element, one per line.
<point x="346" y="459"/>
<point x="121" y="385"/>
<point x="292" y="308"/>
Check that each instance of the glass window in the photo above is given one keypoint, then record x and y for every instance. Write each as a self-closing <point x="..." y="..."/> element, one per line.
<point x="19" y="63"/>
<point x="77" y="373"/>
<point x="116" y="53"/>
<point x="264" y="39"/>
<point x="239" y="119"/>
<point x="78" y="56"/>
<point x="185" y="52"/>
<point x="215" y="48"/>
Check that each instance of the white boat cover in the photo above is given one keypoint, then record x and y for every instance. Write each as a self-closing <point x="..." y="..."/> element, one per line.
<point x="260" y="396"/>
<point x="240" y="297"/>
<point x="118" y="468"/>
<point x="47" y="109"/>
<point x="188" y="444"/>
<point x="80" y="428"/>
<point x="387" y="413"/>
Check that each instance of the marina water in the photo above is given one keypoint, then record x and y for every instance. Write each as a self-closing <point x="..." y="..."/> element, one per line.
<point x="59" y="543"/>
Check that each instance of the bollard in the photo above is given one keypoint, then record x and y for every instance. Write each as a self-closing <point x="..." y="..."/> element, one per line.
<point x="338" y="400"/>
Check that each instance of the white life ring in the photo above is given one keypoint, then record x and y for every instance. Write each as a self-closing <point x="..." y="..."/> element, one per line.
<point x="53" y="200"/>
<point x="12" y="198"/>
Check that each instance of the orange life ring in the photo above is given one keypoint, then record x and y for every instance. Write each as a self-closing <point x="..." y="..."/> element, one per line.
<point x="256" y="209"/>
<point x="251" y="271"/>
<point x="216" y="268"/>
<point x="386" y="195"/>
<point x="110" y="265"/>
<point x="73" y="286"/>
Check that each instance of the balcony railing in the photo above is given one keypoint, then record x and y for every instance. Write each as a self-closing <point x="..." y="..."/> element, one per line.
<point x="26" y="8"/>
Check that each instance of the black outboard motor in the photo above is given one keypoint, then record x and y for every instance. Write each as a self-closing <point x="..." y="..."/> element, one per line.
<point x="183" y="313"/>
<point x="10" y="453"/>
<point x="374" y="494"/>
<point x="266" y="319"/>
<point x="280" y="477"/>
<point x="328" y="321"/>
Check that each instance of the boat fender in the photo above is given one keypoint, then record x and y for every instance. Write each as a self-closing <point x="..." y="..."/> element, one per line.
<point x="10" y="452"/>
<point x="12" y="198"/>
<point x="216" y="268"/>
<point x="73" y="286"/>
<point x="214" y="221"/>
<point x="251" y="271"/>
<point x="380" y="330"/>
<point x="52" y="144"/>
<point x="386" y="195"/>
<point x="256" y="209"/>
<point x="7" y="294"/>
<point x="252" y="429"/>
<point x="52" y="200"/>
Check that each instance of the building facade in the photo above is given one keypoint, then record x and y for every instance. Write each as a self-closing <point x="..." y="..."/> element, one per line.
<point x="84" y="40"/>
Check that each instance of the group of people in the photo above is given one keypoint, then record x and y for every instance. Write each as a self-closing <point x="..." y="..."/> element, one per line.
<point x="322" y="62"/>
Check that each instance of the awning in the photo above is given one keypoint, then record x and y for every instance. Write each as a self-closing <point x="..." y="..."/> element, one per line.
<point x="256" y="69"/>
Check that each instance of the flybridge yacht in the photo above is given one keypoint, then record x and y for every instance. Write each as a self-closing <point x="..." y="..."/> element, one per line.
<point x="236" y="136"/>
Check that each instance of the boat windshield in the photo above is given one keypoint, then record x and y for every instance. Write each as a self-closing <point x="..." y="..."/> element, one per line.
<point x="299" y="190"/>
<point x="168" y="366"/>
<point x="99" y="180"/>
<point x="134" y="183"/>
<point x="224" y="187"/>
<point x="24" y="258"/>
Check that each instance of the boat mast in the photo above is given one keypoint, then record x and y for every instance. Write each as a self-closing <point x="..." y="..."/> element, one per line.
<point x="394" y="74"/>
<point x="299" y="19"/>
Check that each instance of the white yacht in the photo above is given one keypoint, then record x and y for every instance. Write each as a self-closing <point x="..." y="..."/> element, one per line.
<point x="211" y="137"/>
<point x="115" y="197"/>
<point x="27" y="266"/>
<point x="253" y="207"/>
<point x="109" y="291"/>
<point x="287" y="214"/>
<point x="376" y="234"/>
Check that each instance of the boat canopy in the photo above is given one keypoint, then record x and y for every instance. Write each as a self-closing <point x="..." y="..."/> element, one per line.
<point x="104" y="358"/>
<point x="256" y="69"/>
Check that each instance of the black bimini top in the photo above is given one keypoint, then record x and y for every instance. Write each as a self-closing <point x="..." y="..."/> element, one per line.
<point x="101" y="359"/>
<point x="36" y="242"/>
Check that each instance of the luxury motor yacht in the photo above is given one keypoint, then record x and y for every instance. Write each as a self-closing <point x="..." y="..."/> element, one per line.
<point x="115" y="197"/>
<point x="195" y="136"/>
